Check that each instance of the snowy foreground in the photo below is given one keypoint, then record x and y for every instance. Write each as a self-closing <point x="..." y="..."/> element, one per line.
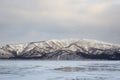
<point x="68" y="49"/>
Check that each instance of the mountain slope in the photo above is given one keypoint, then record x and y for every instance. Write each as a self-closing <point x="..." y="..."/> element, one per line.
<point x="68" y="49"/>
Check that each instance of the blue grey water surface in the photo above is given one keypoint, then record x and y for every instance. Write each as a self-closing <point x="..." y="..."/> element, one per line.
<point x="59" y="70"/>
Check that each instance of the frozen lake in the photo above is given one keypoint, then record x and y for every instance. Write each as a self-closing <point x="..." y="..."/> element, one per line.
<point x="59" y="70"/>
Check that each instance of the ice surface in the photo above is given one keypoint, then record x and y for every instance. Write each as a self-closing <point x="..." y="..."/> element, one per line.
<point x="59" y="70"/>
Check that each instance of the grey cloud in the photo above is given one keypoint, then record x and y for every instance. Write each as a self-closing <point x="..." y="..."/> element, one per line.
<point x="33" y="20"/>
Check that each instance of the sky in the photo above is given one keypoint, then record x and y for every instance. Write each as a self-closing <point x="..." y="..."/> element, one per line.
<point x="35" y="20"/>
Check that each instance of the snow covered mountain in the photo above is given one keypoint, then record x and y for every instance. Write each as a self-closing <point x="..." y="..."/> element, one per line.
<point x="67" y="49"/>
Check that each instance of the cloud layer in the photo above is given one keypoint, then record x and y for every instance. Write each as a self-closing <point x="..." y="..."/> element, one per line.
<point x="34" y="20"/>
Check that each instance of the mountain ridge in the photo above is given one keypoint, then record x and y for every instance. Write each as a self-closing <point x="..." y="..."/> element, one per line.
<point x="66" y="49"/>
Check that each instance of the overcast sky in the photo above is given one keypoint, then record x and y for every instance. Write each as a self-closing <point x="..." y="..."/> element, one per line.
<point x="35" y="20"/>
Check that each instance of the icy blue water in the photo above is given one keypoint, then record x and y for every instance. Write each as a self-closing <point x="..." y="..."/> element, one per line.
<point x="59" y="70"/>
